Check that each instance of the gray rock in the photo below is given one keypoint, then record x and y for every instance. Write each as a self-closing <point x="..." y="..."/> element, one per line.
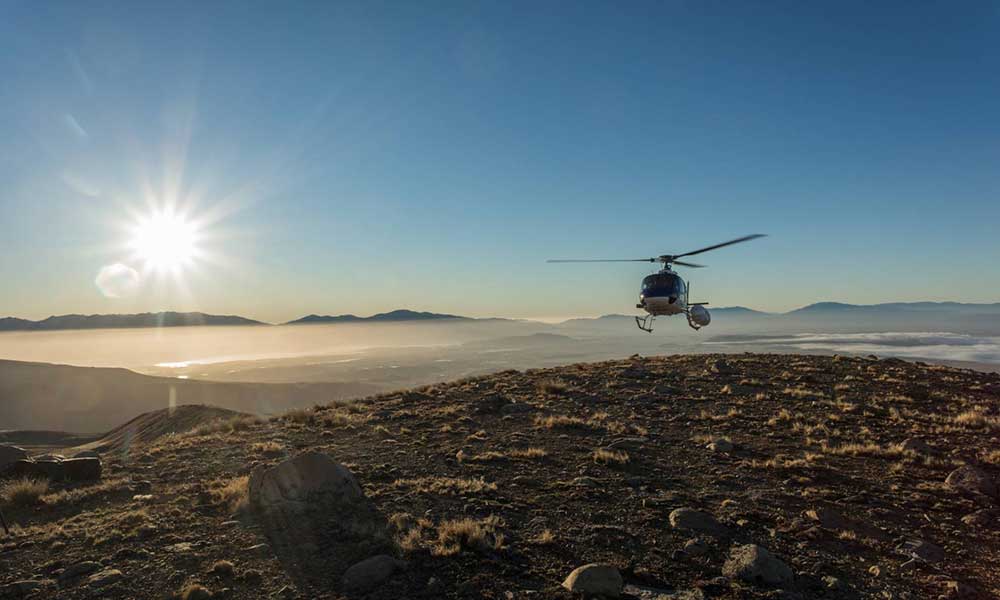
<point x="49" y="457"/>
<point x="689" y="519"/>
<point x="754" y="564"/>
<point x="105" y="578"/>
<point x="970" y="479"/>
<point x="923" y="551"/>
<point x="370" y="573"/>
<point x="915" y="445"/>
<point x="316" y="518"/>
<point x="595" y="580"/>
<point x="82" y="469"/>
<point x="720" y="445"/>
<point x="79" y="570"/>
<point x="959" y="589"/>
<point x="11" y="454"/>
<point x="628" y="443"/>
<point x="292" y="484"/>
<point x="25" y="587"/>
<point x="983" y="518"/>
<point x="695" y="547"/>
<point x="87" y="454"/>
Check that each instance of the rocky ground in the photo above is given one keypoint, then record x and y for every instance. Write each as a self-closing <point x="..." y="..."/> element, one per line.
<point x="737" y="476"/>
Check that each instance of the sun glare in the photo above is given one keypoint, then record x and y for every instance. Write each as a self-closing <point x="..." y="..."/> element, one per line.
<point x="165" y="241"/>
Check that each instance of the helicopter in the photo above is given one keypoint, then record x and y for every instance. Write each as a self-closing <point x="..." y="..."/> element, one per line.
<point x="665" y="293"/>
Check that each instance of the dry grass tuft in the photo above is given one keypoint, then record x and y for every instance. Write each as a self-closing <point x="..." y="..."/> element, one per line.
<point x="446" y="486"/>
<point x="977" y="419"/>
<point x="553" y="387"/>
<point x="530" y="453"/>
<point x="459" y="534"/>
<point x="24" y="492"/>
<point x="611" y="457"/>
<point x="271" y="448"/>
<point x="230" y="425"/>
<point x="545" y="538"/>
<point x="232" y="492"/>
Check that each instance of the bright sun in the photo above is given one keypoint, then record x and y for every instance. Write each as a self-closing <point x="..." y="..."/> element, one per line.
<point x="164" y="241"/>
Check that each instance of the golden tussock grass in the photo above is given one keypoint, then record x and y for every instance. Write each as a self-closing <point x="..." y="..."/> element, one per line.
<point x="24" y="492"/>
<point x="545" y="538"/>
<point x="446" y="486"/>
<point x="611" y="457"/>
<point x="231" y="492"/>
<point x="81" y="494"/>
<point x="977" y="419"/>
<point x="230" y="425"/>
<point x="460" y="534"/>
<point x="528" y="453"/>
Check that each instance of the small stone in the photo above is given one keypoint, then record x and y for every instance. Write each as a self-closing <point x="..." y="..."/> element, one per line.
<point x="923" y="551"/>
<point x="958" y="589"/>
<point x="595" y="580"/>
<point x="970" y="479"/>
<point x="915" y="445"/>
<point x="79" y="569"/>
<point x="754" y="564"/>
<point x="689" y="519"/>
<point x="982" y="518"/>
<point x="370" y="573"/>
<point x="105" y="578"/>
<point x="262" y="550"/>
<point x="834" y="584"/>
<point x="695" y="547"/>
<point x="720" y="445"/>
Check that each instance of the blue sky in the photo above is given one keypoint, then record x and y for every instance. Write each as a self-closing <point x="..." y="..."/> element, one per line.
<point x="358" y="157"/>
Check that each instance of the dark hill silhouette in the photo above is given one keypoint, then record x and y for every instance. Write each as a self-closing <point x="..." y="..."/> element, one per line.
<point x="159" y="319"/>
<point x="392" y="316"/>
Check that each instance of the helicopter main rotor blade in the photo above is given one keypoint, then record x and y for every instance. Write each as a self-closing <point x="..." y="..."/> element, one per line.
<point x="745" y="238"/>
<point x="588" y="260"/>
<point x="687" y="264"/>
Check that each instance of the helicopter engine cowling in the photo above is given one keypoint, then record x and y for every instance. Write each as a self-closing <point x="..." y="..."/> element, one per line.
<point x="699" y="315"/>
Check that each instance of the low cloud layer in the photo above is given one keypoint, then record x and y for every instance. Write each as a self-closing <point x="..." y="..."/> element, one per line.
<point x="932" y="345"/>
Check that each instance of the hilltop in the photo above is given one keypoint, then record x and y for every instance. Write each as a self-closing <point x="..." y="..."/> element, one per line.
<point x="860" y="477"/>
<point x="159" y="319"/>
<point x="392" y="316"/>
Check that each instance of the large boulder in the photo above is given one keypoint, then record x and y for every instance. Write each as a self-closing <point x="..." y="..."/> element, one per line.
<point x="10" y="455"/>
<point x="317" y="519"/>
<point x="82" y="469"/>
<point x="595" y="580"/>
<point x="291" y="486"/>
<point x="754" y="564"/>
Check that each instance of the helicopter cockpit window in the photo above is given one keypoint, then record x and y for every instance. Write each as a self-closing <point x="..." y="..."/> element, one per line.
<point x="662" y="285"/>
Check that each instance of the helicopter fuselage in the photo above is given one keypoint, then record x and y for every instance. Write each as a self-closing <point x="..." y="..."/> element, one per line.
<point x="663" y="293"/>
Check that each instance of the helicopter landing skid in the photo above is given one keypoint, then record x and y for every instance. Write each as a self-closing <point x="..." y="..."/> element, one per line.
<point x="645" y="323"/>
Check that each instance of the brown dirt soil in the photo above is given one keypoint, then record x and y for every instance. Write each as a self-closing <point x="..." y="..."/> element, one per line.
<point x="499" y="486"/>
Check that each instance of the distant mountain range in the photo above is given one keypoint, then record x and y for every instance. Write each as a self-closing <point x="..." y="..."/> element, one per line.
<point x="820" y="312"/>
<point x="160" y="319"/>
<point x="396" y="315"/>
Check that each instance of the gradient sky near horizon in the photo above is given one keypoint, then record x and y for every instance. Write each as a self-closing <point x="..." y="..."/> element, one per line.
<point x="359" y="157"/>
